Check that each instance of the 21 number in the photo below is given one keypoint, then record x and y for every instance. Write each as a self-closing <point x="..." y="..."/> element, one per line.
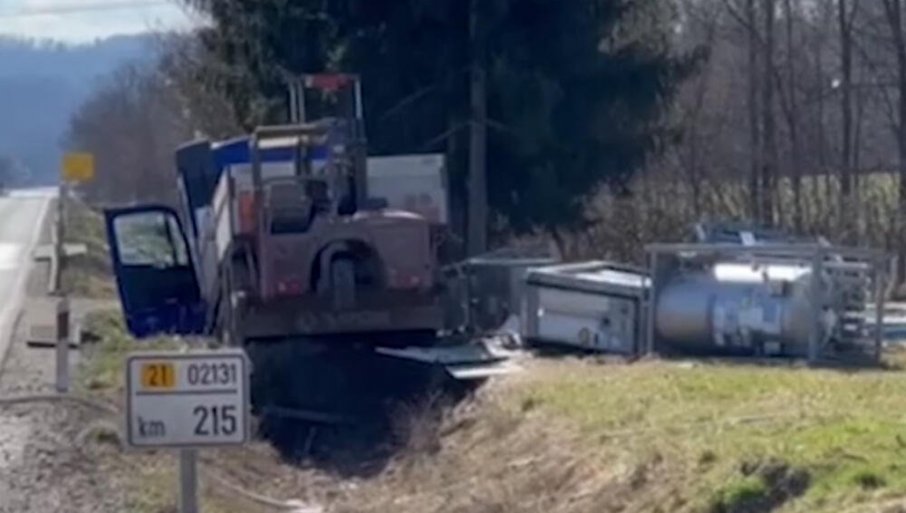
<point x="215" y="420"/>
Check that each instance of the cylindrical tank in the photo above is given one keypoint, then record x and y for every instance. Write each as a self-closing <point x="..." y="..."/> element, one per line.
<point x="737" y="306"/>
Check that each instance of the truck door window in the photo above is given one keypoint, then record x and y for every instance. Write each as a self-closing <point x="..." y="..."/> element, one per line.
<point x="150" y="239"/>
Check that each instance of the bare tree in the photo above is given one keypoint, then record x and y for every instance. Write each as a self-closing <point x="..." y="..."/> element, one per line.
<point x="136" y="119"/>
<point x="754" y="127"/>
<point x="894" y="13"/>
<point x="791" y="109"/>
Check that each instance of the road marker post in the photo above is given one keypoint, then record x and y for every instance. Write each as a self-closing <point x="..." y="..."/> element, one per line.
<point x="187" y="401"/>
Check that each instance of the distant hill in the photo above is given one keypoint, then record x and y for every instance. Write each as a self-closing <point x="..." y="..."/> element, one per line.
<point x="41" y="86"/>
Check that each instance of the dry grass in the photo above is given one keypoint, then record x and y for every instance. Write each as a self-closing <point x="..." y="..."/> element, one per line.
<point x="497" y="455"/>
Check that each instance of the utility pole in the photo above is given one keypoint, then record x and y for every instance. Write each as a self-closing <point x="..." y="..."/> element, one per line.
<point x="477" y="239"/>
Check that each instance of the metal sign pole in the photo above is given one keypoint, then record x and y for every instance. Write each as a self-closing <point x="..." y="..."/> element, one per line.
<point x="814" y="341"/>
<point x="188" y="481"/>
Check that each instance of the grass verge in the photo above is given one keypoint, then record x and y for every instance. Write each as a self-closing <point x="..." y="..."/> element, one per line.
<point x="103" y="363"/>
<point x="150" y="477"/>
<point x="88" y="275"/>
<point x="101" y="374"/>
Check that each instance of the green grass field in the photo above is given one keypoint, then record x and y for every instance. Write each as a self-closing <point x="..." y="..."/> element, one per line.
<point x="821" y="439"/>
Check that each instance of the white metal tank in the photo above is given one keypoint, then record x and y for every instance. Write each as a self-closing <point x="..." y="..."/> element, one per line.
<point x="738" y="305"/>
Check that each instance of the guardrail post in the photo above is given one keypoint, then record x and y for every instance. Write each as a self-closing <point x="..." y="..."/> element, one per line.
<point x="63" y="308"/>
<point x="62" y="349"/>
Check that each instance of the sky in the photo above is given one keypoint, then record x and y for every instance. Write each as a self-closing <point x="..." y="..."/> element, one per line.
<point x="82" y="21"/>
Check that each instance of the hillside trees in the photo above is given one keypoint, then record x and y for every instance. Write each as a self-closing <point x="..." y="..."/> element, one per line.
<point x="12" y="172"/>
<point x="139" y="115"/>
<point x="42" y="85"/>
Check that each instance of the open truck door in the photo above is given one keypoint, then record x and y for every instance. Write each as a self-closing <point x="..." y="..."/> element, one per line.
<point x="156" y="280"/>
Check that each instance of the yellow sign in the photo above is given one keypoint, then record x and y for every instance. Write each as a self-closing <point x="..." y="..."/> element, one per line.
<point x="158" y="376"/>
<point x="78" y="167"/>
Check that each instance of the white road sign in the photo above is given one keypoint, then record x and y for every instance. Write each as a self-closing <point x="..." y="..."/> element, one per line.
<point x="187" y="399"/>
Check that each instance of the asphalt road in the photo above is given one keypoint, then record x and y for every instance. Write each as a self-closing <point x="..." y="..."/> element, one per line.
<point x="22" y="214"/>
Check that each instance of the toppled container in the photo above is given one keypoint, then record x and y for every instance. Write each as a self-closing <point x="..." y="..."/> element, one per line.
<point x="772" y="299"/>
<point x="593" y="306"/>
<point x="485" y="292"/>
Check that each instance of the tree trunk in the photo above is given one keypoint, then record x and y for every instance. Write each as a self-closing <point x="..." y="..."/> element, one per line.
<point x="754" y="128"/>
<point x="478" y="195"/>
<point x="901" y="147"/>
<point x="822" y="178"/>
<point x="893" y="11"/>
<point x="769" y="160"/>
<point x="456" y="249"/>
<point x="857" y="178"/>
<point x="846" y="212"/>
<point x="693" y="158"/>
<point x="560" y="242"/>
<point x="796" y="147"/>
